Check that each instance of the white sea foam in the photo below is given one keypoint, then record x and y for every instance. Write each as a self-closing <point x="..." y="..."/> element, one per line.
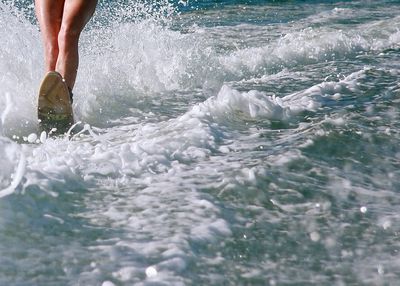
<point x="258" y="104"/>
<point x="166" y="147"/>
<point x="310" y="45"/>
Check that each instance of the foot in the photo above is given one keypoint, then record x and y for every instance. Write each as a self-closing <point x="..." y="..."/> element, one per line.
<point x="55" y="104"/>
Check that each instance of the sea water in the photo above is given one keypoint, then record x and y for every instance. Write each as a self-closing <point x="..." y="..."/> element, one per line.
<point x="224" y="143"/>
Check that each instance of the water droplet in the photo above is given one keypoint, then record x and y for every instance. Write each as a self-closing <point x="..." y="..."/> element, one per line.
<point x="32" y="138"/>
<point x="151" y="271"/>
<point x="386" y="224"/>
<point x="380" y="269"/>
<point x="315" y="236"/>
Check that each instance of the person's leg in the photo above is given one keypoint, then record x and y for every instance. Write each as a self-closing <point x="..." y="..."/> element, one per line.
<point x="76" y="14"/>
<point x="49" y="14"/>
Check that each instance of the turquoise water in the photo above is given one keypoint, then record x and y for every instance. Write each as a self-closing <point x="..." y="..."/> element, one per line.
<point x="226" y="143"/>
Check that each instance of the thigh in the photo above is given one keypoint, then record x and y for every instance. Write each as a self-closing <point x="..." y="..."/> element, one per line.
<point x="77" y="13"/>
<point x="49" y="14"/>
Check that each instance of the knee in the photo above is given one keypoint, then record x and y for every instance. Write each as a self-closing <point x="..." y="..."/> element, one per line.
<point x="68" y="36"/>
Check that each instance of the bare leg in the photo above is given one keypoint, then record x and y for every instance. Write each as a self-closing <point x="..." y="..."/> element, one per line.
<point x="61" y="23"/>
<point x="49" y="14"/>
<point x="76" y="14"/>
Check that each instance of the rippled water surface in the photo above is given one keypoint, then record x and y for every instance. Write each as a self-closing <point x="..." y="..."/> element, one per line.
<point x="224" y="143"/>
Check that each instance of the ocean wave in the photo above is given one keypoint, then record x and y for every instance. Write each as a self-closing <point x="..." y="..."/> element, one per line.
<point x="138" y="149"/>
<point x="125" y="61"/>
